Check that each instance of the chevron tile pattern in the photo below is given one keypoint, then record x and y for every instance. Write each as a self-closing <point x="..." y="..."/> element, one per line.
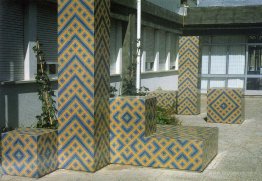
<point x="83" y="77"/>
<point x="189" y="76"/>
<point x="225" y="105"/>
<point x="168" y="147"/>
<point x="165" y="99"/>
<point x="29" y="152"/>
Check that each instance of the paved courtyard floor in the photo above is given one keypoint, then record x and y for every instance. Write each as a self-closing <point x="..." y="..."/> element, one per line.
<point x="239" y="156"/>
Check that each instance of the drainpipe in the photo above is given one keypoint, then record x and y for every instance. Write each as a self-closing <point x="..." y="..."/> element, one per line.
<point x="138" y="45"/>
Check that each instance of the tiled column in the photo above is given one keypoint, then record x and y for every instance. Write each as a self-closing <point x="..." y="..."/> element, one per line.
<point x="189" y="76"/>
<point x="83" y="56"/>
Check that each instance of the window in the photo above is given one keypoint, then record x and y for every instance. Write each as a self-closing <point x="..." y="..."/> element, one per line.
<point x="254" y="59"/>
<point x="232" y="61"/>
<point x="162" y="50"/>
<point x="148" y="47"/>
<point x="235" y="83"/>
<point x="40" y="24"/>
<point x="47" y="34"/>
<point x="223" y="62"/>
<point x="236" y="60"/>
<point x="205" y="59"/>
<point x="217" y="83"/>
<point x="254" y="83"/>
<point x="12" y="40"/>
<point x="218" y="59"/>
<point x="116" y="47"/>
<point x="159" y="50"/>
<point x="173" y="51"/>
<point x="204" y="85"/>
<point x="51" y="69"/>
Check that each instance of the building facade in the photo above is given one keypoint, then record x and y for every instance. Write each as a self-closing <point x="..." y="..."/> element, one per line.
<point x="231" y="48"/>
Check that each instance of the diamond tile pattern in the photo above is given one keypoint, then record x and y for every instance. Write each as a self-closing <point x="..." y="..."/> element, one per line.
<point x="29" y="152"/>
<point x="225" y="105"/>
<point x="165" y="99"/>
<point x="189" y="76"/>
<point x="83" y="77"/>
<point x="187" y="148"/>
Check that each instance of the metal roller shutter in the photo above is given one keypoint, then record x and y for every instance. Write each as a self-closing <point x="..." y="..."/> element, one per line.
<point x="47" y="29"/>
<point x="12" y="40"/>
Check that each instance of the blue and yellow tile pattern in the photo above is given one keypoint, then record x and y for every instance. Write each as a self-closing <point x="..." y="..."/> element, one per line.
<point x="187" y="148"/>
<point x="165" y="99"/>
<point x="83" y="77"/>
<point x="189" y="76"/>
<point x="29" y="152"/>
<point x="225" y="105"/>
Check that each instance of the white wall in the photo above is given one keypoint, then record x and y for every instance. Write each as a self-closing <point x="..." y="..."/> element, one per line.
<point x="165" y="80"/>
<point x="205" y="3"/>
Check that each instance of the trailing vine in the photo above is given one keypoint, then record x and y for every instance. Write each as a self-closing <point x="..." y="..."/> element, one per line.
<point x="48" y="118"/>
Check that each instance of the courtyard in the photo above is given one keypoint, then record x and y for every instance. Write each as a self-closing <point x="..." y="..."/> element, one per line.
<point x="239" y="155"/>
<point x="130" y="90"/>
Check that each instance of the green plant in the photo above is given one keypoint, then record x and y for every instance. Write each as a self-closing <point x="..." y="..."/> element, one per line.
<point x="5" y="129"/>
<point x="143" y="91"/>
<point x="128" y="81"/>
<point x="113" y="91"/>
<point x="167" y="115"/>
<point x="129" y="86"/>
<point x="47" y="119"/>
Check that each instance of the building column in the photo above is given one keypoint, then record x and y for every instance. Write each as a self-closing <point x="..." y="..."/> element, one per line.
<point x="189" y="76"/>
<point x="83" y="77"/>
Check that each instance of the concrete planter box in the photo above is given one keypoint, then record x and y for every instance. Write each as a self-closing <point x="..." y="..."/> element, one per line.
<point x="225" y="105"/>
<point x="165" y="99"/>
<point x="134" y="141"/>
<point x="29" y="152"/>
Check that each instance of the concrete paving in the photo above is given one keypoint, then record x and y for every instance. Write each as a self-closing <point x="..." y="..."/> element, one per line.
<point x="239" y="157"/>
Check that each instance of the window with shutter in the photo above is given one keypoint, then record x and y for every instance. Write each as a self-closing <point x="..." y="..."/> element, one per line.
<point x="12" y="40"/>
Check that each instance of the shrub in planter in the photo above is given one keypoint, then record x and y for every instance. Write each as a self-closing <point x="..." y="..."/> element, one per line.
<point x="167" y="116"/>
<point x="112" y="91"/>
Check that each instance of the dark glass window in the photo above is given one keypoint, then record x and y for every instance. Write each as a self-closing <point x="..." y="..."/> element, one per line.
<point x="254" y="84"/>
<point x="254" y="59"/>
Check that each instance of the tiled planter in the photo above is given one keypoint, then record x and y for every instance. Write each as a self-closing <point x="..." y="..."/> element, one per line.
<point x="165" y="99"/>
<point x="132" y="143"/>
<point x="225" y="105"/>
<point x="29" y="152"/>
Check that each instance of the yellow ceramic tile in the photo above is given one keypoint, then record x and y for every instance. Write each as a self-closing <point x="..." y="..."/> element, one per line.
<point x="188" y="80"/>
<point x="83" y="77"/>
<point x="225" y="106"/>
<point x="29" y="152"/>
